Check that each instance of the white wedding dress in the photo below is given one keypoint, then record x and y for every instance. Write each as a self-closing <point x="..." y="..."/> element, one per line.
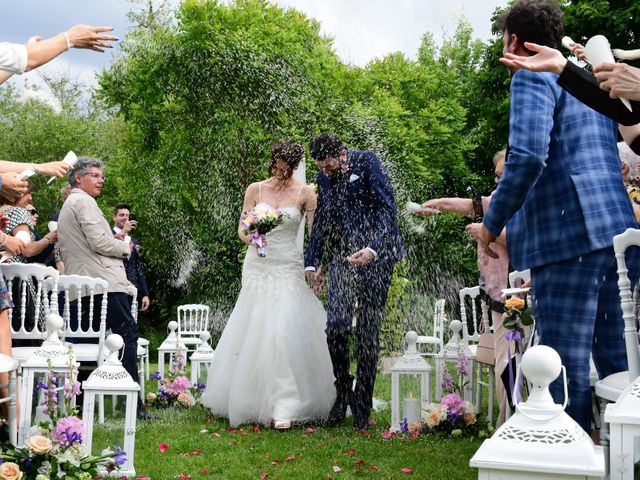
<point x="272" y="361"/>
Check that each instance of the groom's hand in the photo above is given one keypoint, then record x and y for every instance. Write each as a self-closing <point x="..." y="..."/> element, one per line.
<point x="361" y="257"/>
<point x="316" y="280"/>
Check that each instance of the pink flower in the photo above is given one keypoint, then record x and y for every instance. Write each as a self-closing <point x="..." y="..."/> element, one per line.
<point x="179" y="385"/>
<point x="454" y="404"/>
<point x="163" y="447"/>
<point x="68" y="430"/>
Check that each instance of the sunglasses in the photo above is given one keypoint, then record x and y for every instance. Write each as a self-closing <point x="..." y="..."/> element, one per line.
<point x="33" y="211"/>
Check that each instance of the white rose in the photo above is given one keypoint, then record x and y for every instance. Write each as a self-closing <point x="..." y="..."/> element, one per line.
<point x="38" y="444"/>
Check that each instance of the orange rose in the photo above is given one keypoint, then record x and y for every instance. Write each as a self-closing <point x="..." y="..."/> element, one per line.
<point x="10" y="471"/>
<point x="514" y="302"/>
<point x="38" y="444"/>
<point x="469" y="418"/>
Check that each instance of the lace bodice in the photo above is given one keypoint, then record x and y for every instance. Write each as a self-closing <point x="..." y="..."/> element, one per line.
<point x="284" y="258"/>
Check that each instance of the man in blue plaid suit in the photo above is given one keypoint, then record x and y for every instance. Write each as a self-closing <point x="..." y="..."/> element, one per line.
<point x="562" y="200"/>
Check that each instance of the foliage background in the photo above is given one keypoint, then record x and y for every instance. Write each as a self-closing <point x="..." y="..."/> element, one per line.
<point x="185" y="116"/>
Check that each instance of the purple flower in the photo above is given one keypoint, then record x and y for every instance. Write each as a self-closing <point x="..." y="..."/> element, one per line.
<point x="454" y="404"/>
<point x="513" y="336"/>
<point x="68" y="430"/>
<point x="447" y="381"/>
<point x="155" y="375"/>
<point x="120" y="455"/>
<point x="404" y="425"/>
<point x="462" y="364"/>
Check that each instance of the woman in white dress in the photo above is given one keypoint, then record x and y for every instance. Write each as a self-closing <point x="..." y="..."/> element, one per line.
<point x="272" y="363"/>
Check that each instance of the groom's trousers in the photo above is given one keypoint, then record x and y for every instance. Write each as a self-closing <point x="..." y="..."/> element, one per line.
<point x="360" y="292"/>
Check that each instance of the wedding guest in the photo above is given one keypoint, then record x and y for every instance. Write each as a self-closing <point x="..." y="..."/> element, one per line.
<point x="562" y="200"/>
<point x="494" y="272"/>
<point x="47" y="251"/>
<point x="355" y="232"/>
<point x="123" y="224"/>
<point x="88" y="248"/>
<point x="17" y="58"/>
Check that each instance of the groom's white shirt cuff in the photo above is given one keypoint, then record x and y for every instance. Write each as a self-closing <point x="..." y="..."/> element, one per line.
<point x="313" y="269"/>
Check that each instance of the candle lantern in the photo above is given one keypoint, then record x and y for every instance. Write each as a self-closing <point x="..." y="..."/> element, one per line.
<point x="456" y="351"/>
<point x="111" y="380"/>
<point x="52" y="357"/>
<point x="169" y="346"/>
<point x="540" y="440"/>
<point x="410" y="385"/>
<point x="203" y="356"/>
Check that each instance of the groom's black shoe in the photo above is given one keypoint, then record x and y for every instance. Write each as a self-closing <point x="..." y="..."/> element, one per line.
<point x="360" y="423"/>
<point x="338" y="411"/>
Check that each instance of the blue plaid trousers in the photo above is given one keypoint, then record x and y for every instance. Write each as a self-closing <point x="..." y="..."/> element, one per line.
<point x="576" y="304"/>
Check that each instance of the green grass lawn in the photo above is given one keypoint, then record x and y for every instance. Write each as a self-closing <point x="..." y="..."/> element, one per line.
<point x="205" y="448"/>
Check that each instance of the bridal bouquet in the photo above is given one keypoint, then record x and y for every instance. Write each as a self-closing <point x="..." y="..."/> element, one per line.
<point x="176" y="389"/>
<point x="55" y="448"/>
<point x="258" y="222"/>
<point x="516" y="316"/>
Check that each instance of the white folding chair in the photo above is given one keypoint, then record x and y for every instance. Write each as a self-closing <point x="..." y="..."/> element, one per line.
<point x="609" y="388"/>
<point x="25" y="317"/>
<point x="193" y="320"/>
<point x="517" y="278"/>
<point x="435" y="340"/>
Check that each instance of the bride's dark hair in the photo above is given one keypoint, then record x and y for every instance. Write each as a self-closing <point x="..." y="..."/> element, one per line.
<point x="287" y="151"/>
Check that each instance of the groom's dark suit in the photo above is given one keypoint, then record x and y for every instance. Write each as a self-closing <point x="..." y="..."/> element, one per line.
<point x="355" y="210"/>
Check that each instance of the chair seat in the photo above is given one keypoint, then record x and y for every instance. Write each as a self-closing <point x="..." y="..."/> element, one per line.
<point x="428" y="339"/>
<point x="143" y="341"/>
<point x="474" y="350"/>
<point x="141" y="352"/>
<point x="612" y="386"/>
<point x="22" y="353"/>
<point x="190" y="340"/>
<point x="85" y="352"/>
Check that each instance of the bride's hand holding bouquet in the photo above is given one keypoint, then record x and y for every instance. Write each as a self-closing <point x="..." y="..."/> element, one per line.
<point x="259" y="221"/>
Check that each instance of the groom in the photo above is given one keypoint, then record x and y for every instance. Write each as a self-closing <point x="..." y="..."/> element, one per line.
<point x="355" y="232"/>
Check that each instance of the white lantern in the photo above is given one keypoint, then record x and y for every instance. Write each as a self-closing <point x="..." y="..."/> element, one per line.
<point x="202" y="356"/>
<point x="623" y="418"/>
<point x="410" y="384"/>
<point x="111" y="379"/>
<point x="169" y="346"/>
<point x="52" y="355"/>
<point x="10" y="365"/>
<point x="539" y="440"/>
<point x="454" y="351"/>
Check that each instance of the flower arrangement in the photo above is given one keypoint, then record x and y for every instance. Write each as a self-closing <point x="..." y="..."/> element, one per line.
<point x="55" y="448"/>
<point x="516" y="316"/>
<point x="258" y="222"/>
<point x="176" y="389"/>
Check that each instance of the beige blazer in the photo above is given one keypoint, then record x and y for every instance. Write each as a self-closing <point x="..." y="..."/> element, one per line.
<point x="87" y="245"/>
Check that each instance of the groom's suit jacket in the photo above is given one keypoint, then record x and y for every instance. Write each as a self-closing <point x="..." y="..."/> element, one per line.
<point x="561" y="195"/>
<point x="355" y="210"/>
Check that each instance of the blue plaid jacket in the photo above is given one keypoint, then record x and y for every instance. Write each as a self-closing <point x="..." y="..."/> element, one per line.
<point x="561" y="194"/>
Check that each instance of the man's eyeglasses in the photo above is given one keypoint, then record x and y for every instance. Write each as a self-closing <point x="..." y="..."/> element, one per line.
<point x="33" y="211"/>
<point x="96" y="175"/>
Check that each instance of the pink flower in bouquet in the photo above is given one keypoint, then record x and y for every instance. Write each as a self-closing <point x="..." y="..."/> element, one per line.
<point x="454" y="404"/>
<point x="68" y="430"/>
<point x="178" y="385"/>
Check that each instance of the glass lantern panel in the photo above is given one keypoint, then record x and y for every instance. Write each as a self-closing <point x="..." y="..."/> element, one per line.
<point x="42" y="400"/>
<point x="202" y="374"/>
<point x="111" y="432"/>
<point x="410" y="396"/>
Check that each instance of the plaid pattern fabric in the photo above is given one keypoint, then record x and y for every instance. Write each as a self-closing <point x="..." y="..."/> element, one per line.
<point x="577" y="309"/>
<point x="562" y="192"/>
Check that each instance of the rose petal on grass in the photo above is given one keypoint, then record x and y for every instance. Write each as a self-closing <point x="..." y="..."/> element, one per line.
<point x="163" y="447"/>
<point x="192" y="454"/>
<point x="360" y="462"/>
<point x="256" y="428"/>
<point x="351" y="451"/>
<point x="216" y="434"/>
<point x="290" y="459"/>
<point x="336" y="469"/>
<point x="406" y="470"/>
<point x="276" y="462"/>
<point x="264" y="475"/>
<point x="182" y="476"/>
<point x="310" y="430"/>
<point x="204" y="430"/>
<point x="373" y="467"/>
<point x="203" y="471"/>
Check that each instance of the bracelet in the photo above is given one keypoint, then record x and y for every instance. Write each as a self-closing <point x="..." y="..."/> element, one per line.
<point x="35" y="168"/>
<point x="66" y="37"/>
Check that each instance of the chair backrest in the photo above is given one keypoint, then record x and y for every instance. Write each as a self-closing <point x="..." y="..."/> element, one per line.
<point x="523" y="277"/>
<point x="193" y="319"/>
<point x="631" y="237"/>
<point x="26" y="284"/>
<point x="438" y="319"/>
<point x="470" y="330"/>
<point x="78" y="317"/>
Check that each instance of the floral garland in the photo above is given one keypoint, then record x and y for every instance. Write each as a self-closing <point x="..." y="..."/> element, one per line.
<point x="176" y="389"/>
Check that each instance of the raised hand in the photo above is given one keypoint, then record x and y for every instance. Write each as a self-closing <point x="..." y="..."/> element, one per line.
<point x="546" y="59"/>
<point x="92" y="38"/>
<point x="12" y="186"/>
<point x="53" y="169"/>
<point x="619" y="79"/>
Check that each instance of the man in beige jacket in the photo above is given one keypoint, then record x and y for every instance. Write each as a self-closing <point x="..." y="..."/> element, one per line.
<point x="88" y="247"/>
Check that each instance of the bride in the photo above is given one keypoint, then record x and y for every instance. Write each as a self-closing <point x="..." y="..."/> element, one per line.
<point x="272" y="363"/>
